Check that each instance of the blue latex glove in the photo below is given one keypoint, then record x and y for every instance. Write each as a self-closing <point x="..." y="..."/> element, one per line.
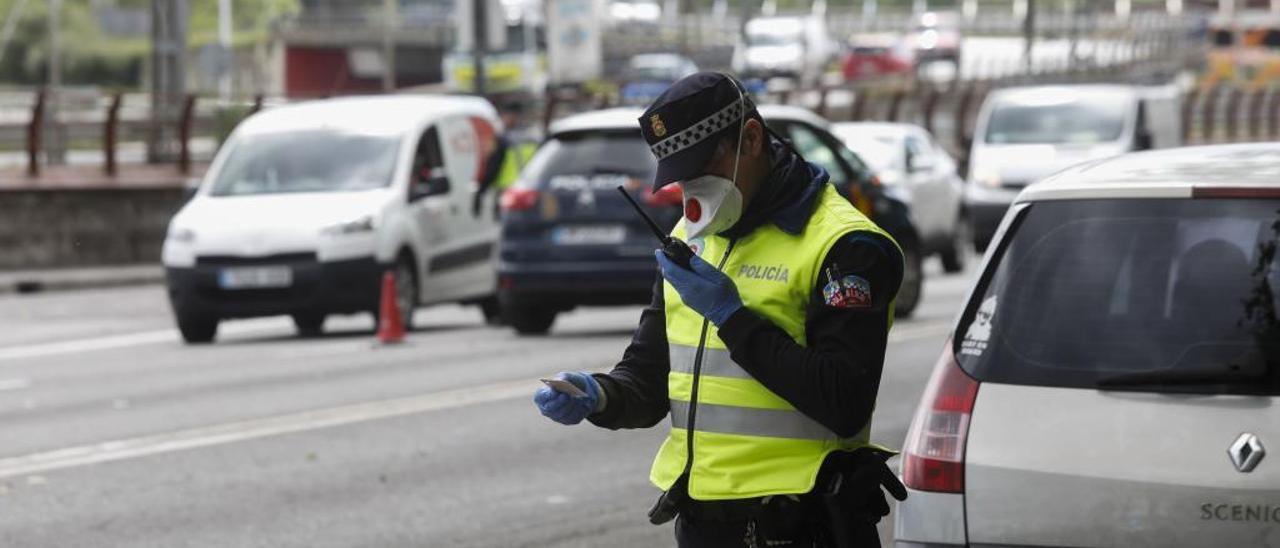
<point x="566" y="409"/>
<point x="705" y="289"/>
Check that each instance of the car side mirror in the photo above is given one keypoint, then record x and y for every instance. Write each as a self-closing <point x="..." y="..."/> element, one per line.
<point x="427" y="187"/>
<point x="916" y="164"/>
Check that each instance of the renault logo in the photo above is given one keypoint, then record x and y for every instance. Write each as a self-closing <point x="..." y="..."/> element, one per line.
<point x="1246" y="452"/>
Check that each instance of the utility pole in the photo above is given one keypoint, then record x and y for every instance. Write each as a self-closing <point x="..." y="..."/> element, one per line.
<point x="168" y="76"/>
<point x="54" y="151"/>
<point x="224" y="41"/>
<point x="391" y="16"/>
<point x="1072" y="11"/>
<point x="480" y="43"/>
<point x="1028" y="34"/>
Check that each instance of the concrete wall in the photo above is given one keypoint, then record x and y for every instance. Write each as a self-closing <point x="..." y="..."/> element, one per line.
<point x="66" y="228"/>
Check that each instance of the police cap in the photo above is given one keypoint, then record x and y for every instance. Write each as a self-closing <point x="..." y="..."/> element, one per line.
<point x="683" y="125"/>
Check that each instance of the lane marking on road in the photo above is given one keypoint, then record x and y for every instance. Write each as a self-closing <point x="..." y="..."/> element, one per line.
<point x="259" y="428"/>
<point x="14" y="384"/>
<point x="250" y="429"/>
<point x="125" y="341"/>
<point x="919" y="331"/>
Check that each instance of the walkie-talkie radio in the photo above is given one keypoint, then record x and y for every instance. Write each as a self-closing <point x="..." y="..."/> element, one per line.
<point x="674" y="249"/>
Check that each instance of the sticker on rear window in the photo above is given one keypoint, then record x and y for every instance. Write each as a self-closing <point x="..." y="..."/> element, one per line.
<point x="979" y="333"/>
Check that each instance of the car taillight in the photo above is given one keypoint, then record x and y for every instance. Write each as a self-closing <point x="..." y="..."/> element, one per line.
<point x="519" y="199"/>
<point x="1235" y="192"/>
<point x="670" y="195"/>
<point x="933" y="459"/>
<point x="863" y="200"/>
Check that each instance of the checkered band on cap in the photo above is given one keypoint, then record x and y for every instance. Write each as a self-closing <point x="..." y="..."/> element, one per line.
<point x="698" y="132"/>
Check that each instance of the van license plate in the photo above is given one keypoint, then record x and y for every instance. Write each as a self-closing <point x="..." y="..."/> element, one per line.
<point x="257" y="277"/>
<point x="588" y="235"/>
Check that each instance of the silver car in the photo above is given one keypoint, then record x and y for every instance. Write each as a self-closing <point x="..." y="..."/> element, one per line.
<point x="1114" y="379"/>
<point x="907" y="156"/>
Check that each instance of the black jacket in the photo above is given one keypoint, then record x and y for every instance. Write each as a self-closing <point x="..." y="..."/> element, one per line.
<point x="834" y="378"/>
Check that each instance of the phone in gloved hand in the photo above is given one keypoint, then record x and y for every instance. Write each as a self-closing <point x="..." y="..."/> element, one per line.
<point x="564" y="386"/>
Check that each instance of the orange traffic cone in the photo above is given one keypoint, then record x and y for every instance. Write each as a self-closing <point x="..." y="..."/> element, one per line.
<point x="390" y="327"/>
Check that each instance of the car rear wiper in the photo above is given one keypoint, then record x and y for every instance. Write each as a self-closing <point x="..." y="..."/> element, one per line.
<point x="1251" y="367"/>
<point x="614" y="170"/>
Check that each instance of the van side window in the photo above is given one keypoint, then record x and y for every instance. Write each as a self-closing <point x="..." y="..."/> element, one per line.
<point x="492" y="159"/>
<point x="428" y="161"/>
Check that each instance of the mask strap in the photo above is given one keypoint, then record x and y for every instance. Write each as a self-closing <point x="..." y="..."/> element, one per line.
<point x="742" y="125"/>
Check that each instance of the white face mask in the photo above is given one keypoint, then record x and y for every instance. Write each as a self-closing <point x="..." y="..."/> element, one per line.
<point x="712" y="203"/>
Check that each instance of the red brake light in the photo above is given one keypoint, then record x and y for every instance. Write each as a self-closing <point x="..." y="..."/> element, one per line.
<point x="1235" y="192"/>
<point x="933" y="459"/>
<point x="860" y="200"/>
<point x="519" y="199"/>
<point x="670" y="195"/>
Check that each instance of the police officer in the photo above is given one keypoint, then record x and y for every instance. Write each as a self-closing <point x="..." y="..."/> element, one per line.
<point x="516" y="144"/>
<point x="766" y="353"/>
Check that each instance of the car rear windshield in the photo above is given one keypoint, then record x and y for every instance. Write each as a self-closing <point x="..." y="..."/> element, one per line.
<point x="591" y="155"/>
<point x="307" y="161"/>
<point x="1158" y="294"/>
<point x="1083" y="121"/>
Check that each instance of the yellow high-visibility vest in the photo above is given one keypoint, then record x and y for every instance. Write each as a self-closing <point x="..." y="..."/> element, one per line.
<point x="518" y="154"/>
<point x="748" y="441"/>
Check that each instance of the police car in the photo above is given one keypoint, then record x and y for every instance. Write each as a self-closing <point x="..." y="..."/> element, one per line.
<point x="306" y="206"/>
<point x="1114" y="379"/>
<point x="569" y="239"/>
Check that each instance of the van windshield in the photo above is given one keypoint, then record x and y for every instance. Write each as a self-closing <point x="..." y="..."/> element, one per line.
<point x="773" y="37"/>
<point x="1163" y="295"/>
<point x="1083" y="121"/>
<point x="307" y="161"/>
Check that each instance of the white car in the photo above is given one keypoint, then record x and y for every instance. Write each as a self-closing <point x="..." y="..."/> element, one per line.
<point x="906" y="155"/>
<point x="1114" y="379"/>
<point x="1025" y="133"/>
<point x="306" y="206"/>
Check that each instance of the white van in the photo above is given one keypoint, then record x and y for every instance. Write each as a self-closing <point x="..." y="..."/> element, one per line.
<point x="1026" y="133"/>
<point x="794" y="47"/>
<point x="306" y="206"/>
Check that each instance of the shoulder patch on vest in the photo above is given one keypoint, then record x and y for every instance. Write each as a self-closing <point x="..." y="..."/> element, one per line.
<point x="846" y="291"/>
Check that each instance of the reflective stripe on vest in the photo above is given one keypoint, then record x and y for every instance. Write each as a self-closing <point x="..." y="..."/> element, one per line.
<point x="748" y="441"/>
<point x="746" y="421"/>
<point x="715" y="362"/>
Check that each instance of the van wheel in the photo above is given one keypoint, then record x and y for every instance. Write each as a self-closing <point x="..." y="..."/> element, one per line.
<point x="955" y="256"/>
<point x="491" y="310"/>
<point x="530" y="321"/>
<point x="912" y="282"/>
<point x="197" y="329"/>
<point x="406" y="291"/>
<point x="309" y="324"/>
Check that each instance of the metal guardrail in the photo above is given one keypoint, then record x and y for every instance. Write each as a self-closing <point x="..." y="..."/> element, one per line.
<point x="111" y="123"/>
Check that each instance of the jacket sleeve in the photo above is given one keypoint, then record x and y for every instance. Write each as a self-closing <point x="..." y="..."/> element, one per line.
<point x="835" y="377"/>
<point x="636" y="388"/>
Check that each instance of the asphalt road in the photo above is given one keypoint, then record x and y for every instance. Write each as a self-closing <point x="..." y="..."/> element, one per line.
<point x="116" y="434"/>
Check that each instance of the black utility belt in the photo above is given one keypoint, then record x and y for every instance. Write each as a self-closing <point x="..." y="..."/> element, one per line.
<point x="734" y="509"/>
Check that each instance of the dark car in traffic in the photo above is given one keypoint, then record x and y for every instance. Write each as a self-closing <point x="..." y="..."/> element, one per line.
<point x="569" y="239"/>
